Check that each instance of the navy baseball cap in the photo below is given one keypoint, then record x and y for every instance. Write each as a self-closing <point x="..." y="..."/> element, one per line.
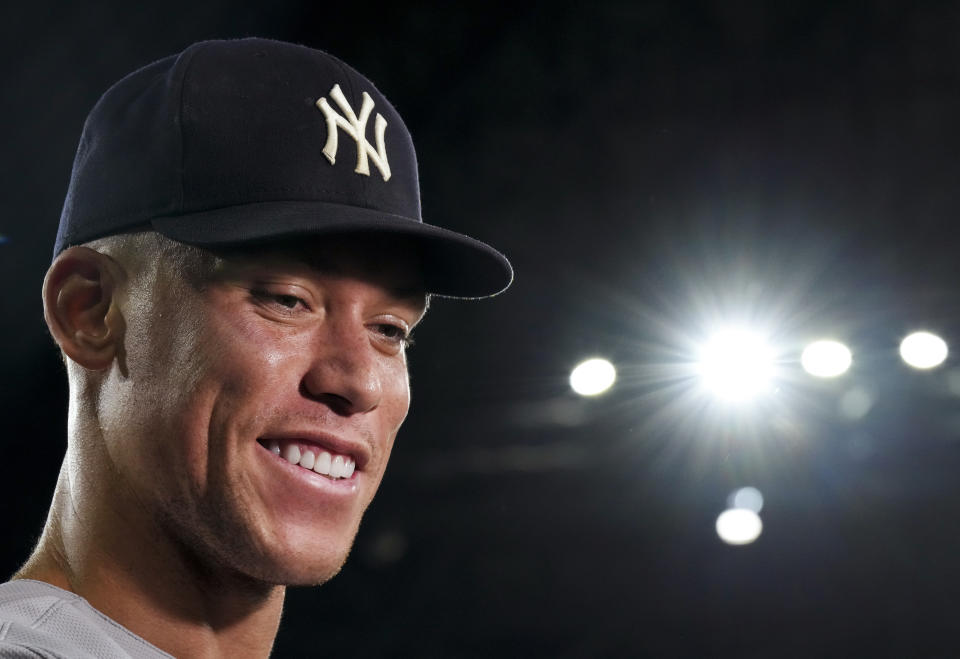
<point x="252" y="140"/>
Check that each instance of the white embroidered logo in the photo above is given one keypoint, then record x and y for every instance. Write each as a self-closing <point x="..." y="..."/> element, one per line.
<point x="355" y="127"/>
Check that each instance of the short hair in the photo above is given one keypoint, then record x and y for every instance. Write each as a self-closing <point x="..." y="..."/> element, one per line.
<point x="143" y="252"/>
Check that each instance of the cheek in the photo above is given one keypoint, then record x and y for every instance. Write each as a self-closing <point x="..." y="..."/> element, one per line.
<point x="246" y="356"/>
<point x="397" y="393"/>
<point x="244" y="372"/>
<point x="231" y="384"/>
<point x="201" y="377"/>
<point x="394" y="406"/>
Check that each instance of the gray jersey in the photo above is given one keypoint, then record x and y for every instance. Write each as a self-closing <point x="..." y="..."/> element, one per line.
<point x="40" y="620"/>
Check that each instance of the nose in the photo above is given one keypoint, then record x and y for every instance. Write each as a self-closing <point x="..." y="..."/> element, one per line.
<point x="344" y="371"/>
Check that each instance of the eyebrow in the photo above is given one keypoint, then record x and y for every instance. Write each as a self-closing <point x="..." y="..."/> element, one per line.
<point x="411" y="293"/>
<point x="415" y="294"/>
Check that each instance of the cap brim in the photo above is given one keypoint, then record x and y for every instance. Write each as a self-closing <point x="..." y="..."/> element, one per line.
<point x="454" y="265"/>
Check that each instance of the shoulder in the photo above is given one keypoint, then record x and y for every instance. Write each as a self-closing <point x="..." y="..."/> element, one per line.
<point x="41" y="620"/>
<point x="25" y="650"/>
<point x="19" y="641"/>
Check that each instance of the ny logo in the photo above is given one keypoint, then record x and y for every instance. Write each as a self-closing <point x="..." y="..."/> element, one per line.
<point x="355" y="127"/>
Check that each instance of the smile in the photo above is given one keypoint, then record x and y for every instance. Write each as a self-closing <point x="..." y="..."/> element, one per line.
<point x="332" y="465"/>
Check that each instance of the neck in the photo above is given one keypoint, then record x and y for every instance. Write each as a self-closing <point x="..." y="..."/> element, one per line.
<point x="131" y="571"/>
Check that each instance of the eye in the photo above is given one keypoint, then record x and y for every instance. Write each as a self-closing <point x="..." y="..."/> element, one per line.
<point x="395" y="334"/>
<point x="288" y="301"/>
<point x="282" y="301"/>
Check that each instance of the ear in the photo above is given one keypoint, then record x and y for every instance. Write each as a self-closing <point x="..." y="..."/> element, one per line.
<point x="80" y="306"/>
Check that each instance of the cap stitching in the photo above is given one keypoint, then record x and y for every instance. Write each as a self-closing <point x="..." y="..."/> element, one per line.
<point x="187" y="64"/>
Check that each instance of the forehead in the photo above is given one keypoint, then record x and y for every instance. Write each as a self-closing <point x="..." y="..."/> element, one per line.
<point x="392" y="263"/>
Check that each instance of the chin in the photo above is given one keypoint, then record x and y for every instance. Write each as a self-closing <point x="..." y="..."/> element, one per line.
<point x="313" y="575"/>
<point x="301" y="566"/>
<point x="287" y="575"/>
<point x="317" y="578"/>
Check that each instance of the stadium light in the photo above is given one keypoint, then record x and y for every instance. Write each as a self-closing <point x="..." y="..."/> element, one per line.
<point x="593" y="377"/>
<point x="736" y="365"/>
<point x="826" y="359"/>
<point x="739" y="526"/>
<point x="923" y="350"/>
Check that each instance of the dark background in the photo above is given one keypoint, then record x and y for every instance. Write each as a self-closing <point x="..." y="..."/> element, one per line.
<point x="652" y="169"/>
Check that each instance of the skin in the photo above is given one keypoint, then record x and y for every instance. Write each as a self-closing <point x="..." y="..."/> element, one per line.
<point x="169" y="516"/>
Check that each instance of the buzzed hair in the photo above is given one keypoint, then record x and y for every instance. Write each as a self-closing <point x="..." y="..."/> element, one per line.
<point x="142" y="253"/>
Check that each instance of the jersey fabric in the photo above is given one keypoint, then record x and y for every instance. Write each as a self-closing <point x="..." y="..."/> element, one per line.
<point x="40" y="620"/>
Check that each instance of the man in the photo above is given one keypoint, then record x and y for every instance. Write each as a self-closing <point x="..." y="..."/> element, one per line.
<point x="239" y="265"/>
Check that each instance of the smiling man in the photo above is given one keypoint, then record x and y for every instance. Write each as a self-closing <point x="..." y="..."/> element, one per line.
<point x="240" y="262"/>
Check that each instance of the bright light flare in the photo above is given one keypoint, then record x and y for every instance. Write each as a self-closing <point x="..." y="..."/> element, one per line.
<point x="923" y="350"/>
<point x="856" y="403"/>
<point x="737" y="365"/>
<point x="826" y="359"/>
<point x="593" y="377"/>
<point x="739" y="526"/>
<point x="748" y="498"/>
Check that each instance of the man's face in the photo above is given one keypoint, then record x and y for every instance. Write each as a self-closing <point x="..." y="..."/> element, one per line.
<point x="297" y="351"/>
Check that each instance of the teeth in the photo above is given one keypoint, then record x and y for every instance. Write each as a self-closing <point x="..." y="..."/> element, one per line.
<point x="306" y="460"/>
<point x="322" y="465"/>
<point x="292" y="454"/>
<point x="333" y="466"/>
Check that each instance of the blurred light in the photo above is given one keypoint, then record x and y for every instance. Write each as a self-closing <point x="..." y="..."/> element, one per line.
<point x="923" y="350"/>
<point x="737" y="365"/>
<point x="3" y="239"/>
<point x="855" y="403"/>
<point x="826" y="359"/>
<point x="953" y="381"/>
<point x="593" y="377"/>
<point x="739" y="526"/>
<point x="555" y="411"/>
<point x="386" y="548"/>
<point x="748" y="498"/>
